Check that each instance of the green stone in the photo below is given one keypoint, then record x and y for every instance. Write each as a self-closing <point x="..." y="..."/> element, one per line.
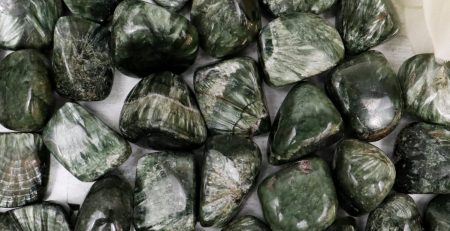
<point x="226" y="27"/>
<point x="368" y="94"/>
<point x="437" y="214"/>
<point x="98" y="10"/>
<point x="366" y="23"/>
<point x="26" y="96"/>
<point x="37" y="217"/>
<point x="147" y="38"/>
<point x="247" y="223"/>
<point x="173" y="5"/>
<point x="229" y="172"/>
<point x="426" y="88"/>
<point x="299" y="197"/>
<point x="231" y="98"/>
<point x="423" y="159"/>
<point x="108" y="206"/>
<point x="7" y="222"/>
<point x="298" y="46"/>
<point x="343" y="224"/>
<point x="282" y="7"/>
<point x="397" y="212"/>
<point x="364" y="176"/>
<point x="161" y="112"/>
<point x="165" y="193"/>
<point x="23" y="166"/>
<point x="307" y="121"/>
<point x="81" y="59"/>
<point x="83" y="144"/>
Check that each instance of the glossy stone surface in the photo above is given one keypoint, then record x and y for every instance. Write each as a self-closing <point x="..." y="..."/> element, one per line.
<point x="81" y="59"/>
<point x="165" y="193"/>
<point x="22" y="169"/>
<point x="98" y="10"/>
<point x="83" y="144"/>
<point x="437" y="213"/>
<point x="283" y="7"/>
<point x="108" y="206"/>
<point x="147" y="38"/>
<point x="423" y="159"/>
<point x="7" y="222"/>
<point x="364" y="176"/>
<point x="38" y="217"/>
<point x="343" y="224"/>
<point x="306" y="122"/>
<point x="246" y="223"/>
<point x="426" y="88"/>
<point x="298" y="46"/>
<point x="397" y="212"/>
<point x="366" y="23"/>
<point x="229" y="171"/>
<point x="173" y="5"/>
<point x="299" y="197"/>
<point x="368" y="95"/>
<point x="231" y="98"/>
<point x="226" y="26"/>
<point x="161" y="112"/>
<point x="26" y="95"/>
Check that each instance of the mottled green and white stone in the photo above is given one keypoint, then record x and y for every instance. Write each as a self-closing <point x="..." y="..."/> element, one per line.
<point x="82" y="60"/>
<point x="173" y="5"/>
<point x="306" y="122"/>
<point x="229" y="172"/>
<point x="26" y="93"/>
<point x="98" y="10"/>
<point x="165" y="193"/>
<point x="282" y="7"/>
<point x="83" y="144"/>
<point x="230" y="97"/>
<point x="246" y="223"/>
<point x="437" y="213"/>
<point x="299" y="197"/>
<point x="39" y="217"/>
<point x="298" y="46"/>
<point x="343" y="224"/>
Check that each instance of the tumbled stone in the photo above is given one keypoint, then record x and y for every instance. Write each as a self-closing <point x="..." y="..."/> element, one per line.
<point x="229" y="172"/>
<point x="39" y="217"/>
<point x="7" y="222"/>
<point x="283" y="7"/>
<point x="298" y="46"/>
<point x="173" y="5"/>
<point x="306" y="122"/>
<point x="246" y="223"/>
<point x="98" y="10"/>
<point x="367" y="93"/>
<point x="81" y="59"/>
<point x="343" y="224"/>
<point x="83" y="144"/>
<point x="423" y="159"/>
<point x="161" y="112"/>
<point x="231" y="98"/>
<point x="437" y="213"/>
<point x="299" y="197"/>
<point x="147" y="38"/>
<point x="165" y="193"/>
<point x="26" y="92"/>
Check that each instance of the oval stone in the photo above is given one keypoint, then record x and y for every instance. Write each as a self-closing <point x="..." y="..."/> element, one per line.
<point x="246" y="223"/>
<point x="173" y="5"/>
<point x="98" y="10"/>
<point x="39" y="217"/>
<point x="343" y="224"/>
<point x="437" y="213"/>
<point x="282" y="7"/>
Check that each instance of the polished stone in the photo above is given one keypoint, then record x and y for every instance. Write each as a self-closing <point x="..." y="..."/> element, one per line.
<point x="174" y="5"/>
<point x="343" y="224"/>
<point x="437" y="213"/>
<point x="38" y="217"/>
<point x="282" y="7"/>
<point x="246" y="223"/>
<point x="98" y="10"/>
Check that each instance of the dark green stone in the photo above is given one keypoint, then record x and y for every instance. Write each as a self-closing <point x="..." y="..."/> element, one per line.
<point x="299" y="197"/>
<point x="225" y="27"/>
<point x="147" y="38"/>
<point x="98" y="10"/>
<point x="423" y="159"/>
<point x="343" y="224"/>
<point x="229" y="172"/>
<point x="283" y="7"/>
<point x="81" y="59"/>
<point x="173" y="5"/>
<point x="298" y="46"/>
<point x="366" y="23"/>
<point x="437" y="214"/>
<point x="26" y="95"/>
<point x="161" y="112"/>
<point x="231" y="98"/>
<point x="83" y="144"/>
<point x="246" y="223"/>
<point x="306" y="122"/>
<point x="38" y="217"/>
<point x="7" y="222"/>
<point x="368" y="94"/>
<point x="397" y="212"/>
<point x="364" y="176"/>
<point x="165" y="193"/>
<point x="108" y="206"/>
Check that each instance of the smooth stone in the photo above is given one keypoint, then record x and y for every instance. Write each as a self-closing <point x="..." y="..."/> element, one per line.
<point x="23" y="169"/>
<point x="230" y="169"/>
<point x="231" y="98"/>
<point x="277" y="8"/>
<point x="39" y="217"/>
<point x="247" y="223"/>
<point x="108" y="206"/>
<point x="147" y="38"/>
<point x="364" y="176"/>
<point x="397" y="212"/>
<point x="299" y="197"/>
<point x="165" y="194"/>
<point x="422" y="152"/>
<point x="28" y="23"/>
<point x="26" y="97"/>
<point x="307" y="121"/>
<point x="83" y="144"/>
<point x="426" y="88"/>
<point x="368" y="95"/>
<point x="161" y="112"/>
<point x="173" y="5"/>
<point x="298" y="46"/>
<point x="98" y="10"/>
<point x="7" y="222"/>
<point x="343" y="224"/>
<point x="437" y="213"/>
<point x="81" y="59"/>
<point x="364" y="24"/>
